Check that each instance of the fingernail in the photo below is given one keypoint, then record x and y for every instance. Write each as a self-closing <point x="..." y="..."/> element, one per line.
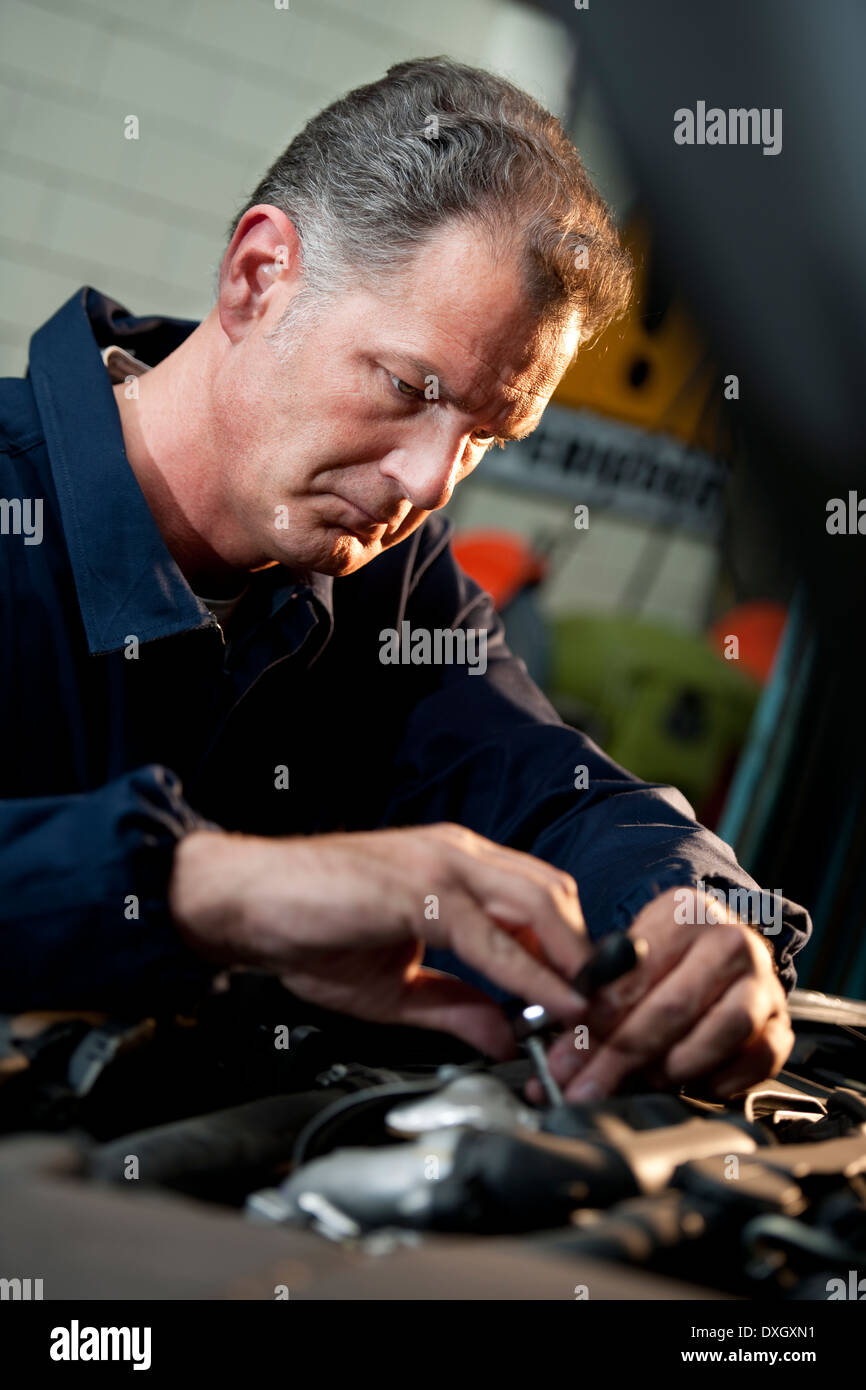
<point x="586" y="1090"/>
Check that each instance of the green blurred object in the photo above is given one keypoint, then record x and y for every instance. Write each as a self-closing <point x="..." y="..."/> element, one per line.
<point x="662" y="702"/>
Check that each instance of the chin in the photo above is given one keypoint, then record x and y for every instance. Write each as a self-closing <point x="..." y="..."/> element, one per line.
<point x="349" y="554"/>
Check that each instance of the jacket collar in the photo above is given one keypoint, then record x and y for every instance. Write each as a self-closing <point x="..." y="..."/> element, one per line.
<point x="125" y="576"/>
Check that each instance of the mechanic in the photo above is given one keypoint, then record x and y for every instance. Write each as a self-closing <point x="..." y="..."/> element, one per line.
<point x="206" y="761"/>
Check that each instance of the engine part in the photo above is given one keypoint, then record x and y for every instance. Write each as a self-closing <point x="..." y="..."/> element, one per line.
<point x="476" y="1099"/>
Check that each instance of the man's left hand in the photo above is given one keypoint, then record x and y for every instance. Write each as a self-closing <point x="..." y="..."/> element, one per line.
<point x="703" y="1004"/>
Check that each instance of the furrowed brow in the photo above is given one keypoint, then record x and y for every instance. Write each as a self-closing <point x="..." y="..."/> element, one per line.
<point x="450" y="397"/>
<point x="444" y="391"/>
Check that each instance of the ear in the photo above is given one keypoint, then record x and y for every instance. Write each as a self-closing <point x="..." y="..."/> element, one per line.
<point x="262" y="260"/>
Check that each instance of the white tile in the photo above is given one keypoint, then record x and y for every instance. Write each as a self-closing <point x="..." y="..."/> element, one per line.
<point x="70" y="148"/>
<point x="438" y="21"/>
<point x="71" y="141"/>
<point x="141" y="78"/>
<point x="45" y="42"/>
<point x="313" y="54"/>
<point x="281" y="43"/>
<point x="190" y="260"/>
<point x="209" y="185"/>
<point x="161" y="15"/>
<point x="265" y="119"/>
<point x="21" y="207"/>
<point x="9" y="101"/>
<point x="109" y="237"/>
<point x="140" y="299"/>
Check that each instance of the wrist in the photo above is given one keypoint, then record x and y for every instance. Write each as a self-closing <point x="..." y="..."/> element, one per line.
<point x="204" y="895"/>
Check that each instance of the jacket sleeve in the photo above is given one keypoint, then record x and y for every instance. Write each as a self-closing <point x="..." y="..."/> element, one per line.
<point x="487" y="750"/>
<point x="84" y="921"/>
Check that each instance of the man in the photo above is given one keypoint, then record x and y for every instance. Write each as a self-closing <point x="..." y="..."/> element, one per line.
<point x="210" y="760"/>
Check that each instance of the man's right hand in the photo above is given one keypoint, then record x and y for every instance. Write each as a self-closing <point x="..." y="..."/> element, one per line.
<point x="344" y="919"/>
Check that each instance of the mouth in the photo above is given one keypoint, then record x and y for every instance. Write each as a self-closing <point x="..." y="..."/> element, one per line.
<point x="359" y="519"/>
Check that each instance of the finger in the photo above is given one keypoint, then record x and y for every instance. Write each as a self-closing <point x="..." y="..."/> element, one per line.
<point x="530" y="865"/>
<point x="524" y="936"/>
<point x="512" y="886"/>
<point x="680" y="1005"/>
<point x="763" y="1057"/>
<point x="518" y="859"/>
<point x="673" y="985"/>
<point x="608" y="1007"/>
<point x="432" y="999"/>
<point x="497" y="952"/>
<point x="611" y="1004"/>
<point x="572" y="1050"/>
<point x="553" y="913"/>
<point x="725" y="1031"/>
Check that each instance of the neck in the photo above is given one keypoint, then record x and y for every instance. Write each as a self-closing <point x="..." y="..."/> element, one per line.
<point x="175" y="459"/>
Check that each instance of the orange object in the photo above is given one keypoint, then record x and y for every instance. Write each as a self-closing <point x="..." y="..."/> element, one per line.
<point x="651" y="368"/>
<point x="758" y="627"/>
<point x="501" y="562"/>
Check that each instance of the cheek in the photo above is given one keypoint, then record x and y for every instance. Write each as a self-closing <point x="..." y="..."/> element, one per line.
<point x="253" y="439"/>
<point x="344" y="427"/>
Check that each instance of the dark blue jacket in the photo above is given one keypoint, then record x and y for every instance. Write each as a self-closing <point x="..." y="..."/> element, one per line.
<point x="108" y="758"/>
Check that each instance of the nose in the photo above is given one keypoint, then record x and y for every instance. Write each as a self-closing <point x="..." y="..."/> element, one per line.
<point x="426" y="471"/>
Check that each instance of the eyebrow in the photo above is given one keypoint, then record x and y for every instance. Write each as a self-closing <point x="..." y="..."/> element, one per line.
<point x="450" y="397"/>
<point x="445" y="393"/>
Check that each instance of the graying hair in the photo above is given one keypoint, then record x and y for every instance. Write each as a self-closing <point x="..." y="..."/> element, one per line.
<point x="373" y="176"/>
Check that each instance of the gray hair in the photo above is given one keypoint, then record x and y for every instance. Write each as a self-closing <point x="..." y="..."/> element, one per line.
<point x="373" y="176"/>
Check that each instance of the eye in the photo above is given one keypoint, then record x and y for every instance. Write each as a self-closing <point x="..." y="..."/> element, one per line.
<point x="416" y="393"/>
<point x="405" y="388"/>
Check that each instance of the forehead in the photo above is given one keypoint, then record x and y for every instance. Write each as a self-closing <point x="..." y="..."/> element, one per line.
<point x="461" y="307"/>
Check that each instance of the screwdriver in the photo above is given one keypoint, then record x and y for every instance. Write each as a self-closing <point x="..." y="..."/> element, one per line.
<point x="614" y="956"/>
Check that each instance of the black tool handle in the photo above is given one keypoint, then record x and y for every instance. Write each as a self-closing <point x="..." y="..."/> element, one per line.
<point x="615" y="955"/>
